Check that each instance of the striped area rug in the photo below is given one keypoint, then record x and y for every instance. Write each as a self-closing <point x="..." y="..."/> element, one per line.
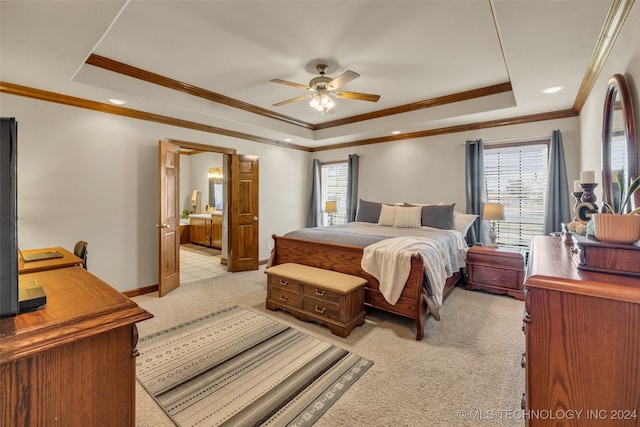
<point x="237" y="367"/>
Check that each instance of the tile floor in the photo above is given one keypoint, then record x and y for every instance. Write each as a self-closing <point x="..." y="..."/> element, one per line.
<point x="199" y="262"/>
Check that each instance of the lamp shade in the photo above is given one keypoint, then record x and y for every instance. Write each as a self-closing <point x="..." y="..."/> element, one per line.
<point x="330" y="207"/>
<point x="493" y="211"/>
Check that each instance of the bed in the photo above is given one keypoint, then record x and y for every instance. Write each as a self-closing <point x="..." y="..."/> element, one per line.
<point x="342" y="247"/>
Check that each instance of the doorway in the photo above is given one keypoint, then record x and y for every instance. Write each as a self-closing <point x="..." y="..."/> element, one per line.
<point x="181" y="209"/>
<point x="203" y="196"/>
<point x="240" y="211"/>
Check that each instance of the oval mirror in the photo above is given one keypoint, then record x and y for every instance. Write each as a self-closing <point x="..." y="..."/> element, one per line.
<point x="619" y="151"/>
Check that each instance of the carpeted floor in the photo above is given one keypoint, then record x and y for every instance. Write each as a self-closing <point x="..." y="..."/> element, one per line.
<point x="465" y="371"/>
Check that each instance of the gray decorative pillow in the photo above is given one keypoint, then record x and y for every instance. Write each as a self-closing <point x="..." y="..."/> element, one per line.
<point x="438" y="216"/>
<point x="368" y="211"/>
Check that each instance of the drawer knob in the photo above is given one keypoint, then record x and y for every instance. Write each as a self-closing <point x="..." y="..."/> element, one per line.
<point x="320" y="310"/>
<point x="319" y="292"/>
<point x="284" y="298"/>
<point x="284" y="282"/>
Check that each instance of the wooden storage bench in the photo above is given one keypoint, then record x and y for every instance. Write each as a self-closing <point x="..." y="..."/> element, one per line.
<point x="327" y="297"/>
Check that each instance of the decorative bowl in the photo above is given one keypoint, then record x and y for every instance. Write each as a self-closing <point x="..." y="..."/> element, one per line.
<point x="612" y="228"/>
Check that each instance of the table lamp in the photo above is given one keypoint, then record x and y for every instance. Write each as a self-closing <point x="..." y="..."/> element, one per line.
<point x="330" y="208"/>
<point x="493" y="212"/>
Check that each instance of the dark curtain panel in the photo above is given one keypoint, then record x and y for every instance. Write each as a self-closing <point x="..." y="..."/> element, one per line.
<point x="556" y="207"/>
<point x="352" y="187"/>
<point x="475" y="186"/>
<point x="314" y="215"/>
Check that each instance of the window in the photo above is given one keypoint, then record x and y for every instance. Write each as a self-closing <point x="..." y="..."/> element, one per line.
<point x="516" y="177"/>
<point x="334" y="178"/>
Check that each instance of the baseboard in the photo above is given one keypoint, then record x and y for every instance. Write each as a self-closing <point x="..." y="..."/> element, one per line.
<point x="141" y="291"/>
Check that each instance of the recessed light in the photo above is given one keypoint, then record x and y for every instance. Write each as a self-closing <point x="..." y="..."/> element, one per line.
<point x="396" y="132"/>
<point x="288" y="140"/>
<point x="552" y="89"/>
<point x="117" y="101"/>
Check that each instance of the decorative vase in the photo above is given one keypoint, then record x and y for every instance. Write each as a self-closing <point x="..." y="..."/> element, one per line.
<point x="611" y="228"/>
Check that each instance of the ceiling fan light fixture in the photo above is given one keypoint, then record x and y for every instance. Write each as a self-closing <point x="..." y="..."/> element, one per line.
<point x="322" y="102"/>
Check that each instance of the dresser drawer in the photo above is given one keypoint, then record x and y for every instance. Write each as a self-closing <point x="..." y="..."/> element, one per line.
<point x="322" y="308"/>
<point x="515" y="262"/>
<point x="496" y="277"/>
<point x="322" y="294"/>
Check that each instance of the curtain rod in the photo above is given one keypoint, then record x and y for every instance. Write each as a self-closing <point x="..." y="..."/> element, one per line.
<point x="519" y="139"/>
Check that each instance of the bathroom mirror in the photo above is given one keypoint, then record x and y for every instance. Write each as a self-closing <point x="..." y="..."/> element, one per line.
<point x="215" y="187"/>
<point x="619" y="150"/>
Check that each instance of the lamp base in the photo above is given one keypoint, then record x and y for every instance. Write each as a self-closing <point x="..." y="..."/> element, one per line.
<point x="493" y="236"/>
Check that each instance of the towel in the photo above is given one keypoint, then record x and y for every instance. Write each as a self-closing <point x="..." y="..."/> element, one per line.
<point x="194" y="198"/>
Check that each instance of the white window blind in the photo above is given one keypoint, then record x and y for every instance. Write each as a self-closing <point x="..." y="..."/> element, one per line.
<point x="516" y="177"/>
<point x="334" y="188"/>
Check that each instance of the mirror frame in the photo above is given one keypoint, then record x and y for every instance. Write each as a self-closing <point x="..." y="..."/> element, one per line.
<point x="618" y="86"/>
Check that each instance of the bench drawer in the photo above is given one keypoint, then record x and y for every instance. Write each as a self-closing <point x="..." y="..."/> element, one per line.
<point x="322" y="294"/>
<point x="322" y="308"/>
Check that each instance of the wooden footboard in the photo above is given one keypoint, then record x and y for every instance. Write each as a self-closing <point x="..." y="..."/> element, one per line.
<point x="346" y="259"/>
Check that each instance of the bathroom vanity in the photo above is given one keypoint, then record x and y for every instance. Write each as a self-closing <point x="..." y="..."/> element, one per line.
<point x="206" y="229"/>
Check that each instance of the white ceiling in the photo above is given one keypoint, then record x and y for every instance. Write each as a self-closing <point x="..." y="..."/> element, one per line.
<point x="405" y="51"/>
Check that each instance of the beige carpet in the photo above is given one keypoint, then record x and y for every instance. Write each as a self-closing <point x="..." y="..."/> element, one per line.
<point x="466" y="371"/>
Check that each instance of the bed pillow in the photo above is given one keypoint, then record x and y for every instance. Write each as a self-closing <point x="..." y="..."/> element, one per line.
<point x="438" y="216"/>
<point x="368" y="211"/>
<point x="387" y="215"/>
<point x="463" y="221"/>
<point x="407" y="217"/>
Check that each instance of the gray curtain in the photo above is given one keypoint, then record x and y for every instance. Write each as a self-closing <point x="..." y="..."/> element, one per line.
<point x="475" y="185"/>
<point x="556" y="207"/>
<point x="314" y="215"/>
<point x="352" y="187"/>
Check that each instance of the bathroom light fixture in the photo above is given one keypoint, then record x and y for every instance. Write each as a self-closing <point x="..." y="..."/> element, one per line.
<point x="115" y="101"/>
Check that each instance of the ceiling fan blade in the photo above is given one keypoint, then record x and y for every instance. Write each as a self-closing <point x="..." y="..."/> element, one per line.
<point x="342" y="79"/>
<point x="288" y="101"/>
<point x="296" y="85"/>
<point x="358" y="96"/>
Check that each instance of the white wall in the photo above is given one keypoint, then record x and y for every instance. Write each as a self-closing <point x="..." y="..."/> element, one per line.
<point x="623" y="59"/>
<point x="93" y="176"/>
<point x="431" y="170"/>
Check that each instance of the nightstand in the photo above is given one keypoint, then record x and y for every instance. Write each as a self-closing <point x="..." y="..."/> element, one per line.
<point x="496" y="269"/>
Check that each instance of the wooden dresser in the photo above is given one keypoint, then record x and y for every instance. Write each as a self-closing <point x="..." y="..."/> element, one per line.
<point x="582" y="333"/>
<point x="72" y="362"/>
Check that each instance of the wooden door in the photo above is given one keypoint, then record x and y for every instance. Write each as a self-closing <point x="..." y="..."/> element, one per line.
<point x="168" y="221"/>
<point x="244" y="213"/>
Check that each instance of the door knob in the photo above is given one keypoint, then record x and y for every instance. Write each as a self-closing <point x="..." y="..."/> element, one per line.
<point x="163" y="226"/>
<point x="255" y="218"/>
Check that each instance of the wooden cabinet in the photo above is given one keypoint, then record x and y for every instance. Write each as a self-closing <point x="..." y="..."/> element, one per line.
<point x="71" y="362"/>
<point x="496" y="269"/>
<point x="200" y="231"/>
<point x="216" y="231"/>
<point x="582" y="334"/>
<point x="207" y="231"/>
<point x="185" y="236"/>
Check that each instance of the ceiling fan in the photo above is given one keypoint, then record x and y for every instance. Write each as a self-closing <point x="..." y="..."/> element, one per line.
<point x="322" y="88"/>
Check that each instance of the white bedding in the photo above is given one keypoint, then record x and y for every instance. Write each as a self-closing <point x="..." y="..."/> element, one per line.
<point x="389" y="261"/>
